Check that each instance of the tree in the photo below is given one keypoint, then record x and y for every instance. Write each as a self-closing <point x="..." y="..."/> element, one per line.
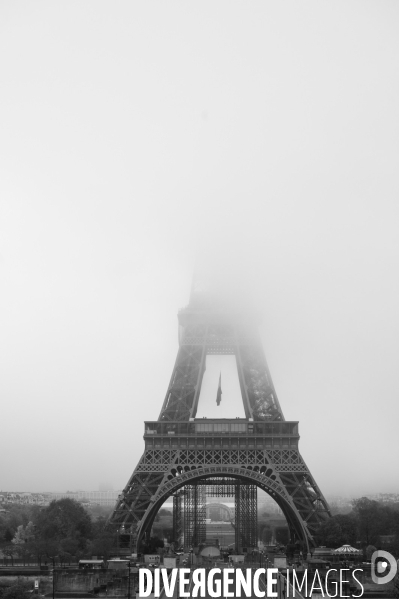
<point x="338" y="530"/>
<point x="62" y="529"/>
<point x="15" y="516"/>
<point x="3" y="527"/>
<point x="24" y="534"/>
<point x="373" y="519"/>
<point x="97" y="511"/>
<point x="8" y="536"/>
<point x="103" y="541"/>
<point x="18" y="590"/>
<point x="43" y="548"/>
<point x="64" y="518"/>
<point x="152" y="545"/>
<point x="9" y="551"/>
<point x="265" y="533"/>
<point x="366" y="523"/>
<point x="369" y="551"/>
<point x="21" y="539"/>
<point x="67" y="548"/>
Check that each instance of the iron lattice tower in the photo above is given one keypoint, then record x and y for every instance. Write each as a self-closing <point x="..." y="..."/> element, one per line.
<point x="178" y="518"/>
<point x="194" y="515"/>
<point x="244" y="520"/>
<point x="259" y="450"/>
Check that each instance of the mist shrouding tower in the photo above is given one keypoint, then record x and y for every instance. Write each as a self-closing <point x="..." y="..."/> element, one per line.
<point x="185" y="452"/>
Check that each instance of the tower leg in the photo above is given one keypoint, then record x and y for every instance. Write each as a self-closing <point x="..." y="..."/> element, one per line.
<point x="237" y="518"/>
<point x="194" y="515"/>
<point x="246" y="518"/>
<point x="177" y="519"/>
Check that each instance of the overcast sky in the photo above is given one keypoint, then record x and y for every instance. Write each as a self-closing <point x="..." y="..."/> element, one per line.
<point x="134" y="136"/>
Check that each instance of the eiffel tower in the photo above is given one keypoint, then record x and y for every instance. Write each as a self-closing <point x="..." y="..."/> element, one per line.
<point x="184" y="455"/>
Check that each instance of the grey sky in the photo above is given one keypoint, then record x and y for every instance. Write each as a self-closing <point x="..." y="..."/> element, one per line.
<point x="135" y="136"/>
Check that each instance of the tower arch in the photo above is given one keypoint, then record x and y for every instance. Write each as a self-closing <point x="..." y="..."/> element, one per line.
<point x="260" y="449"/>
<point x="271" y="486"/>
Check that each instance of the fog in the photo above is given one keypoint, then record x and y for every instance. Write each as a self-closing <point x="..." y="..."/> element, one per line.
<point x="137" y="138"/>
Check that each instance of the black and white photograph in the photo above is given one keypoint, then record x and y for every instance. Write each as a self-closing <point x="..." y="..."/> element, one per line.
<point x="199" y="292"/>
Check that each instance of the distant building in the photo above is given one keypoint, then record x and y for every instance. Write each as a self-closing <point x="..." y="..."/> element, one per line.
<point x="105" y="487"/>
<point x="385" y="497"/>
<point x="22" y="498"/>
<point x="104" y="498"/>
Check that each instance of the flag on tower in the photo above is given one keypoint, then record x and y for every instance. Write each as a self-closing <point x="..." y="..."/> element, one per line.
<point x="219" y="393"/>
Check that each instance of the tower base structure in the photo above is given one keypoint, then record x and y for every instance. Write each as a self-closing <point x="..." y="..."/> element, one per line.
<point x="190" y="506"/>
<point x="184" y="452"/>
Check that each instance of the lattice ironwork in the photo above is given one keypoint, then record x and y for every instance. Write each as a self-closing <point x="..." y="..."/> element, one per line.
<point x="194" y="515"/>
<point x="261" y="449"/>
<point x="262" y="396"/>
<point x="243" y="518"/>
<point x="178" y="518"/>
<point x="200" y="335"/>
<point x="186" y="378"/>
<point x="221" y="490"/>
<point x="246" y="516"/>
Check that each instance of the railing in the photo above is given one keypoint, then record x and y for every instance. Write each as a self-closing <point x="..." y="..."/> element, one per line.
<point x="218" y="427"/>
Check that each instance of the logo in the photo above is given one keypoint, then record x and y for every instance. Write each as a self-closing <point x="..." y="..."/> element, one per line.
<point x="383" y="567"/>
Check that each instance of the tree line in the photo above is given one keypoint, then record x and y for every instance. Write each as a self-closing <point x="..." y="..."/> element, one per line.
<point x="64" y="531"/>
<point x="58" y="533"/>
<point x="363" y="527"/>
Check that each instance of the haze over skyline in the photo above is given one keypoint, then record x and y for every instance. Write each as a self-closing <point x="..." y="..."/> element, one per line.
<point x="137" y="137"/>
